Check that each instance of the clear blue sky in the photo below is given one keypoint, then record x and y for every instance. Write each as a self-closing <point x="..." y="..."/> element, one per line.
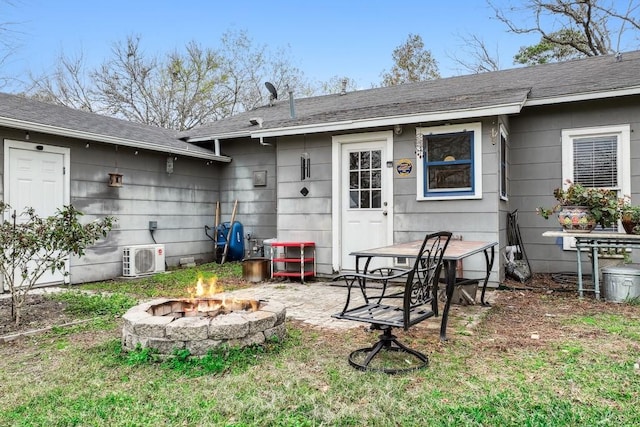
<point x="325" y="38"/>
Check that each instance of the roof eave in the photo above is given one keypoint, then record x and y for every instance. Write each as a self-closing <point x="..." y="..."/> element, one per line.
<point x="222" y="135"/>
<point x="60" y="131"/>
<point x="586" y="96"/>
<point x="511" y="108"/>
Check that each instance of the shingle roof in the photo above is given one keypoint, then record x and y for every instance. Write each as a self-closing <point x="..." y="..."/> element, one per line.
<point x="593" y="77"/>
<point x="32" y="115"/>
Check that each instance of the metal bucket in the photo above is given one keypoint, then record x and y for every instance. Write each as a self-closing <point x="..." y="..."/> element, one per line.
<point x="255" y="269"/>
<point x="620" y="283"/>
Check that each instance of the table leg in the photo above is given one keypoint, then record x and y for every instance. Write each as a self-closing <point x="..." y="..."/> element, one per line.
<point x="594" y="270"/>
<point x="450" y="267"/>
<point x="489" y="264"/>
<point x="578" y="251"/>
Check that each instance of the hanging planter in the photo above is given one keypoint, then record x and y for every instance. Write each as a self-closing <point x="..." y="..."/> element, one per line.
<point x="115" y="178"/>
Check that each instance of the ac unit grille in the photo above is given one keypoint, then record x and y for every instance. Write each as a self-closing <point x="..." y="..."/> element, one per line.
<point x="142" y="259"/>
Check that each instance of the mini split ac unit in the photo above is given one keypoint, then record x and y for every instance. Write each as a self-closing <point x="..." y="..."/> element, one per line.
<point x="142" y="259"/>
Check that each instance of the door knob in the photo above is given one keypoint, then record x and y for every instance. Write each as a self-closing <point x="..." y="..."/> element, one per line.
<point x="384" y="213"/>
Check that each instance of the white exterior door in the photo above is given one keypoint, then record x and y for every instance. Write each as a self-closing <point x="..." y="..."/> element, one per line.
<point x="35" y="177"/>
<point x="364" y="195"/>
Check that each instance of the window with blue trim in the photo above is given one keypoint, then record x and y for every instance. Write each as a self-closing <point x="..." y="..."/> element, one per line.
<point x="448" y="163"/>
<point x="449" y="160"/>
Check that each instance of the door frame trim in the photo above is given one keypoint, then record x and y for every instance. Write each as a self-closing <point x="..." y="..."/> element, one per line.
<point x="337" y="143"/>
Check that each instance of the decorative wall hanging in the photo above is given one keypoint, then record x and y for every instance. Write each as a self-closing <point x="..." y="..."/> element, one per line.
<point x="305" y="166"/>
<point x="115" y="178"/>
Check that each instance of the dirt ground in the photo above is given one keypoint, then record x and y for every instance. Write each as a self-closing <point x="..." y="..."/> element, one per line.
<point x="521" y="310"/>
<point x="38" y="312"/>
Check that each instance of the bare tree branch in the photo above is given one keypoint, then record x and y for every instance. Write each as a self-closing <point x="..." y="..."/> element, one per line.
<point x="9" y="43"/>
<point x="178" y="90"/>
<point x="569" y="28"/>
<point x="474" y="55"/>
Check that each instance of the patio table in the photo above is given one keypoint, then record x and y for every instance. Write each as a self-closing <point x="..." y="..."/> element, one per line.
<point x="456" y="250"/>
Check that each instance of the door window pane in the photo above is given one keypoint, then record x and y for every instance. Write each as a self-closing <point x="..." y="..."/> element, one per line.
<point x="376" y="179"/>
<point x="365" y="182"/>
<point x="376" y="161"/>
<point x="365" y="179"/>
<point x="353" y="161"/>
<point x="364" y="200"/>
<point x="353" y="180"/>
<point x="376" y="199"/>
<point x="353" y="199"/>
<point x="364" y="160"/>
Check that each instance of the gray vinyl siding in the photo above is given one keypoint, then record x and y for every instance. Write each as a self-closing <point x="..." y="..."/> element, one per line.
<point x="309" y="218"/>
<point x="306" y="218"/>
<point x="536" y="168"/>
<point x="256" y="204"/>
<point x="182" y="203"/>
<point x="475" y="219"/>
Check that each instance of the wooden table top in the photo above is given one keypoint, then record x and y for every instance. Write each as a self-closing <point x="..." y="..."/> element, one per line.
<point x="457" y="249"/>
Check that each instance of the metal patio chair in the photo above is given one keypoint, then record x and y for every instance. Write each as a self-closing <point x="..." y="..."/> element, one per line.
<point x="386" y="308"/>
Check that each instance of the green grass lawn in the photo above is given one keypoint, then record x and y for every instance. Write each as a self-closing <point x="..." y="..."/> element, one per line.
<point x="79" y="377"/>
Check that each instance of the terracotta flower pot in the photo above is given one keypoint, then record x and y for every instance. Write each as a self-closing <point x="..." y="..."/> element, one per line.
<point x="576" y="219"/>
<point x="628" y="224"/>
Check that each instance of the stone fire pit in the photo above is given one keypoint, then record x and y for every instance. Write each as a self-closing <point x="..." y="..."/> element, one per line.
<point x="201" y="324"/>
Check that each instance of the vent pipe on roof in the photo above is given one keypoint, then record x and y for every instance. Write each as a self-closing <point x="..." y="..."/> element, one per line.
<point x="344" y="87"/>
<point x="292" y="107"/>
<point x="216" y="147"/>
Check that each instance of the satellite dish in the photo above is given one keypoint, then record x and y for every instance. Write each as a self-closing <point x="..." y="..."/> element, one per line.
<point x="272" y="90"/>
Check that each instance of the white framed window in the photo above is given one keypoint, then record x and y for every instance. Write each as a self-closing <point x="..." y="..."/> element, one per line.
<point x="504" y="164"/>
<point x="449" y="164"/>
<point x="597" y="157"/>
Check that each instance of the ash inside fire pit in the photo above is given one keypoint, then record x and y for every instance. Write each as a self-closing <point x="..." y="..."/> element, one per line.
<point x="201" y="324"/>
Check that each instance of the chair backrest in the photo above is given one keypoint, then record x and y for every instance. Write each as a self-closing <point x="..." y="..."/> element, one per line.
<point x="419" y="289"/>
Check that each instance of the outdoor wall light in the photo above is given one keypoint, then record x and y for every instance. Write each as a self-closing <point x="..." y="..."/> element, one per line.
<point x="169" y="165"/>
<point x="494" y="134"/>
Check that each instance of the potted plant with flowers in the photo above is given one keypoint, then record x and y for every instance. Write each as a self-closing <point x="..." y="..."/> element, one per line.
<point x="581" y="208"/>
<point x="630" y="216"/>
